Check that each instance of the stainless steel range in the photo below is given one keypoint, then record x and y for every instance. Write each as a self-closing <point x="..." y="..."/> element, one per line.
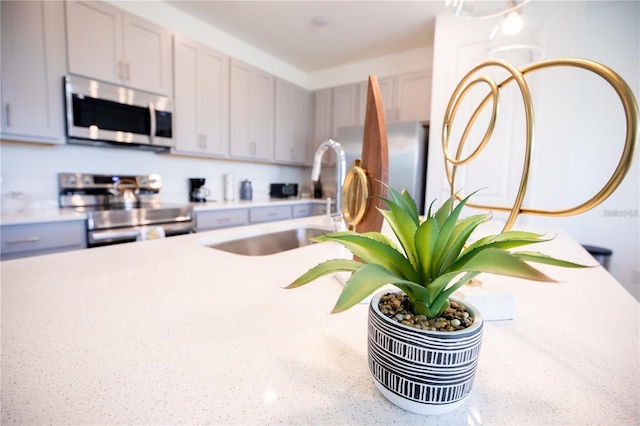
<point x="122" y="208"/>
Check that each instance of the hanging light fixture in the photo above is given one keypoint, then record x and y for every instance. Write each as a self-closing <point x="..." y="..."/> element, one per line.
<point x="516" y="39"/>
<point x="483" y="9"/>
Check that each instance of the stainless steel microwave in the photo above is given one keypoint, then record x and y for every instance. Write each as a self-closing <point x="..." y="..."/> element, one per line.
<point x="99" y="113"/>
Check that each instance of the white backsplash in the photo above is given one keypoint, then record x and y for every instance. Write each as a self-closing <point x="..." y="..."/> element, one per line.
<point x="33" y="170"/>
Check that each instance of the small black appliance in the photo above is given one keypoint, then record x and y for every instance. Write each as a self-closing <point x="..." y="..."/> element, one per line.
<point x="197" y="192"/>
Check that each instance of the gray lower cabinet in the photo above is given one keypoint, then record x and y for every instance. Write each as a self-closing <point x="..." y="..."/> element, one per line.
<point x="41" y="238"/>
<point x="303" y="210"/>
<point x="270" y="214"/>
<point x="218" y="219"/>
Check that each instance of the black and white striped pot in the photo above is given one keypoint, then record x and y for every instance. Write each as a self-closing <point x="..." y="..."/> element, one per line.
<point x="422" y="371"/>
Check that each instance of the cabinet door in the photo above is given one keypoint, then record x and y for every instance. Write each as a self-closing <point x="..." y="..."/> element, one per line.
<point x="33" y="63"/>
<point x="146" y="56"/>
<point x="187" y="135"/>
<point x="41" y="238"/>
<point x="240" y="144"/>
<point x="262" y="117"/>
<point x="214" y="102"/>
<point x="252" y="112"/>
<point x="218" y="219"/>
<point x="323" y="126"/>
<point x="345" y="106"/>
<point x="414" y="97"/>
<point x="302" y="110"/>
<point x="285" y="120"/>
<point x="94" y="40"/>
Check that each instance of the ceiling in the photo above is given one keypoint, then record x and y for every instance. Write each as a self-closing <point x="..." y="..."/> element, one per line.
<point x="355" y="31"/>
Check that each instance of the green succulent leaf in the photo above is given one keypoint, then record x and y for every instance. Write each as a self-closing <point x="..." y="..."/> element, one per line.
<point x="404" y="228"/>
<point x="448" y="291"/>
<point x="362" y="283"/>
<point x="324" y="268"/>
<point x="537" y="257"/>
<point x="508" y="239"/>
<point x="374" y="251"/>
<point x="497" y="261"/>
<point x="405" y="202"/>
<point x="445" y="239"/>
<point x="380" y="238"/>
<point x="425" y="241"/>
<point x="443" y="212"/>
<point x="461" y="233"/>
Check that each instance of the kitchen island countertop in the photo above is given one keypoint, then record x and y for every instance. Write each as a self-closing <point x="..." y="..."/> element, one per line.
<point x="171" y="331"/>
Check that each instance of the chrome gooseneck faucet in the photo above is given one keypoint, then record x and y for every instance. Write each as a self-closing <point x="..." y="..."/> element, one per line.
<point x="341" y="165"/>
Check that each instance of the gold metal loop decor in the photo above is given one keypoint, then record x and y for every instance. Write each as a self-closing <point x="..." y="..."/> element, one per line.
<point x="452" y="162"/>
<point x="355" y="194"/>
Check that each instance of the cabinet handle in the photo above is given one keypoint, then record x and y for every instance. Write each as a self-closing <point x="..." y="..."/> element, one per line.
<point x="8" y="111"/>
<point x="128" y="68"/>
<point x="24" y="240"/>
<point x="204" y="141"/>
<point x="120" y="71"/>
<point x="223" y="220"/>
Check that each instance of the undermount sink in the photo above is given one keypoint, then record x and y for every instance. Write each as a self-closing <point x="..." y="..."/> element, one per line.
<point x="271" y="242"/>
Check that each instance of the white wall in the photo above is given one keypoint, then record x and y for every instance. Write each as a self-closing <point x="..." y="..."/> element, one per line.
<point x="579" y="124"/>
<point x="33" y="169"/>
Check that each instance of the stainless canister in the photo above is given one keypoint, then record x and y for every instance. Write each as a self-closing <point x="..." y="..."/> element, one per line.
<point x="246" y="192"/>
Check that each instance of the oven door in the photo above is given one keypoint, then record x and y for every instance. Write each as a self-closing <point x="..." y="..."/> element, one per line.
<point x="103" y="237"/>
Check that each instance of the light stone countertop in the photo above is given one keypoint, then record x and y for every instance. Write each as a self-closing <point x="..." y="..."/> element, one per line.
<point x="170" y="331"/>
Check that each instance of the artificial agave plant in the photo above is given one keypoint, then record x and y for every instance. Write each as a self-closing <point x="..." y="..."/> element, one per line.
<point x="434" y="259"/>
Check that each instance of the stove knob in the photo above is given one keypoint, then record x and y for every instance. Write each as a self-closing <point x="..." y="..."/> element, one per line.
<point x="87" y="180"/>
<point x="69" y="180"/>
<point x="155" y="182"/>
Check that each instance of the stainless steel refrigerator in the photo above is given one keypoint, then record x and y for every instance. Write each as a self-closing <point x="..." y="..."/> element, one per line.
<point x="408" y="142"/>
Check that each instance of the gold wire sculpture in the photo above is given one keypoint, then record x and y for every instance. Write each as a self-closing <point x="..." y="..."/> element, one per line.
<point x="517" y="75"/>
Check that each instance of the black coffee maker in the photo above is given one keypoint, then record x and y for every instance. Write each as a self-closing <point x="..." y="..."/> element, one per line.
<point x="197" y="192"/>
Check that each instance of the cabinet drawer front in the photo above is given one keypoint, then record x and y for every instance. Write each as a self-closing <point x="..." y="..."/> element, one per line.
<point x="221" y="219"/>
<point x="303" y="210"/>
<point x="270" y="214"/>
<point x="40" y="238"/>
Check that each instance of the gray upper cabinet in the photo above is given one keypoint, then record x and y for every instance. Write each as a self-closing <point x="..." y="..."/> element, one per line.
<point x="292" y="115"/>
<point x="109" y="44"/>
<point x="252" y="113"/>
<point x="413" y="100"/>
<point x="33" y="63"/>
<point x="323" y="124"/>
<point x="405" y="97"/>
<point x="201" y="99"/>
<point x="345" y="106"/>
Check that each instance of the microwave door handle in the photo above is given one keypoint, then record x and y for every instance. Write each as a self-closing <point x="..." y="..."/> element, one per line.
<point x="152" y="117"/>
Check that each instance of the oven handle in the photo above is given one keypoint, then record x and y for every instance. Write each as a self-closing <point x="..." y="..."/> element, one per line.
<point x="170" y="229"/>
<point x="152" y="118"/>
<point x="108" y="235"/>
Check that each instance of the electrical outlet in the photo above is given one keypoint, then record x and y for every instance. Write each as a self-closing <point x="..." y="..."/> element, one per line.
<point x="635" y="276"/>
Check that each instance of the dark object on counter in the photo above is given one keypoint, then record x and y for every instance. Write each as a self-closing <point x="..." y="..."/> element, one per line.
<point x="317" y="189"/>
<point x="197" y="192"/>
<point x="246" y="192"/>
<point x="283" y="190"/>
<point x="601" y="254"/>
